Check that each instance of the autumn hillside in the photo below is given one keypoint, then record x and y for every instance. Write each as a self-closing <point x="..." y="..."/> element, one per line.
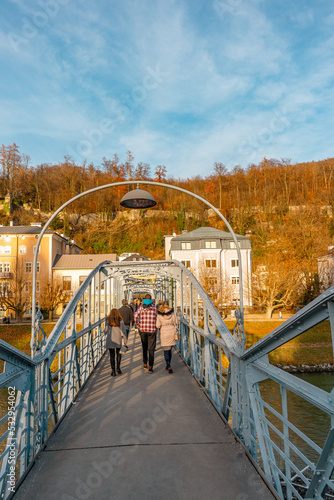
<point x="285" y="209"/>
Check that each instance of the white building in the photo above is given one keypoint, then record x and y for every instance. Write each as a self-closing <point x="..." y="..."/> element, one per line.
<point x="72" y="270"/>
<point x="212" y="257"/>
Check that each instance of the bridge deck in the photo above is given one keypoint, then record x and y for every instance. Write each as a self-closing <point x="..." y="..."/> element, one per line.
<point x="142" y="436"/>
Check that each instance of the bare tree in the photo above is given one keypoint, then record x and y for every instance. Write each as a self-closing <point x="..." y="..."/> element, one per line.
<point x="10" y="161"/>
<point x="52" y="295"/>
<point x="220" y="171"/>
<point x="276" y="283"/>
<point x="218" y="286"/>
<point x="142" y="171"/>
<point x="15" y="293"/>
<point x="160" y="173"/>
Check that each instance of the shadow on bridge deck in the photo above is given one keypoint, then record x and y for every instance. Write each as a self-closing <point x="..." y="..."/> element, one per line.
<point x="142" y="436"/>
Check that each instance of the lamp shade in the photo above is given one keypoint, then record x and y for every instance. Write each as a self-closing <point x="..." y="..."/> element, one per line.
<point x="138" y="199"/>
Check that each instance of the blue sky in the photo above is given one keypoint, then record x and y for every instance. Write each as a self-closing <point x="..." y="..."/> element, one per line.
<point x="181" y="83"/>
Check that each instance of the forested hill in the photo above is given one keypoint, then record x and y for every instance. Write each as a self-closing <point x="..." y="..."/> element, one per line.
<point x="286" y="209"/>
<point x="270" y="185"/>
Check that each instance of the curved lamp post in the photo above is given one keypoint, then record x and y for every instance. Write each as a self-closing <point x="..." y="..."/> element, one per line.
<point x="138" y="199"/>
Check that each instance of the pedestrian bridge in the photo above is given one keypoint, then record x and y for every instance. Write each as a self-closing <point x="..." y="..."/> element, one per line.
<point x="207" y="431"/>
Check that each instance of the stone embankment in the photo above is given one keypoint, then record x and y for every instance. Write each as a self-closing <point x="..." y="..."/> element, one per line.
<point x="326" y="367"/>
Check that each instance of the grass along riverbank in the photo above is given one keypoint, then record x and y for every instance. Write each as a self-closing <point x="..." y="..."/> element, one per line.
<point x="19" y="335"/>
<point x="312" y="348"/>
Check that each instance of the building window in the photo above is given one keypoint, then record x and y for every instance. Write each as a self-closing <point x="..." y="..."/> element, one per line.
<point x="186" y="263"/>
<point x="210" y="263"/>
<point x="22" y="249"/>
<point x="4" y="287"/>
<point x="8" y="250"/>
<point x="28" y="267"/>
<point x="67" y="283"/>
<point x="27" y="286"/>
<point x="38" y="266"/>
<point x="37" y="287"/>
<point x="1" y="268"/>
<point x="185" y="245"/>
<point x="29" y="311"/>
<point x="210" y="282"/>
<point x="6" y="267"/>
<point x="235" y="280"/>
<point x="234" y="263"/>
<point x="232" y="244"/>
<point x="210" y="244"/>
<point x="81" y="279"/>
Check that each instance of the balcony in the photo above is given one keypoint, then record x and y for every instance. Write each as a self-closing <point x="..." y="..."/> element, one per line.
<point x="4" y="275"/>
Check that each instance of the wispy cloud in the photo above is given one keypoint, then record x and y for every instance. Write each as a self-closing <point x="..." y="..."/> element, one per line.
<point x="179" y="83"/>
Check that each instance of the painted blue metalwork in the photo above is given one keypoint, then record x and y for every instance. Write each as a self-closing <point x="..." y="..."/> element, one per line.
<point x="42" y="388"/>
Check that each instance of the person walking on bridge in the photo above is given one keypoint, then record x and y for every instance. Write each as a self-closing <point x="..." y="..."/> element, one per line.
<point x="145" y="318"/>
<point x="127" y="315"/>
<point x="167" y="322"/>
<point x="115" y="331"/>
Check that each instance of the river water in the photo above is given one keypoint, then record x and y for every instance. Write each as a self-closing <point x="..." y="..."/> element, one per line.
<point x="314" y="423"/>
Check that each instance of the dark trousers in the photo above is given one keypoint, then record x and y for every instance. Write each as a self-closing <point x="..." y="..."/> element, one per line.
<point x="168" y="357"/>
<point x="148" y="342"/>
<point x="112" y="352"/>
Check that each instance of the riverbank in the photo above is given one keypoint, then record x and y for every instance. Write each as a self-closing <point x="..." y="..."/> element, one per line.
<point x="326" y="367"/>
<point x="311" y="351"/>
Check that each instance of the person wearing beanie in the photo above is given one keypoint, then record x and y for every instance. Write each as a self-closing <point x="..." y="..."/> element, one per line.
<point x="145" y="318"/>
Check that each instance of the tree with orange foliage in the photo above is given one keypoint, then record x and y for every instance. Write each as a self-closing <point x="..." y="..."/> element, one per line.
<point x="160" y="173"/>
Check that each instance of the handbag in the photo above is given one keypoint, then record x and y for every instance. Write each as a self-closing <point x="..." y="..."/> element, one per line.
<point x="124" y="349"/>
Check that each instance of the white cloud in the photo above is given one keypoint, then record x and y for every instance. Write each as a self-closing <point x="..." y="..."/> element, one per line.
<point x="181" y="84"/>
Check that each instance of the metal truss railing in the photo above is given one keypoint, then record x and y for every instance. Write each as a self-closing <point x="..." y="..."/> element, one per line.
<point x="41" y="388"/>
<point x="295" y="461"/>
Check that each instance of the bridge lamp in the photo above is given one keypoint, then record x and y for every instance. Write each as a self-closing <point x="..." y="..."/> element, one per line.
<point x="138" y="198"/>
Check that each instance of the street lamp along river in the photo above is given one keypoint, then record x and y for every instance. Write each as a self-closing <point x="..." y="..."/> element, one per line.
<point x="137" y="199"/>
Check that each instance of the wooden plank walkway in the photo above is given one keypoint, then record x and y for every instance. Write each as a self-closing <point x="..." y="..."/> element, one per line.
<point x="143" y="436"/>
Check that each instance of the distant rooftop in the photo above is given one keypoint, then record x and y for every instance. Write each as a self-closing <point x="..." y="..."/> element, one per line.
<point x="89" y="261"/>
<point x="207" y="232"/>
<point x="23" y="230"/>
<point x="135" y="257"/>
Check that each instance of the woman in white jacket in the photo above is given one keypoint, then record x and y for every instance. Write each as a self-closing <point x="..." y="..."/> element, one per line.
<point x="167" y="322"/>
<point x="115" y="331"/>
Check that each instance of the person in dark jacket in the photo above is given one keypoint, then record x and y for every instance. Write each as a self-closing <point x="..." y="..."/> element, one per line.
<point x="127" y="315"/>
<point x="115" y="332"/>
